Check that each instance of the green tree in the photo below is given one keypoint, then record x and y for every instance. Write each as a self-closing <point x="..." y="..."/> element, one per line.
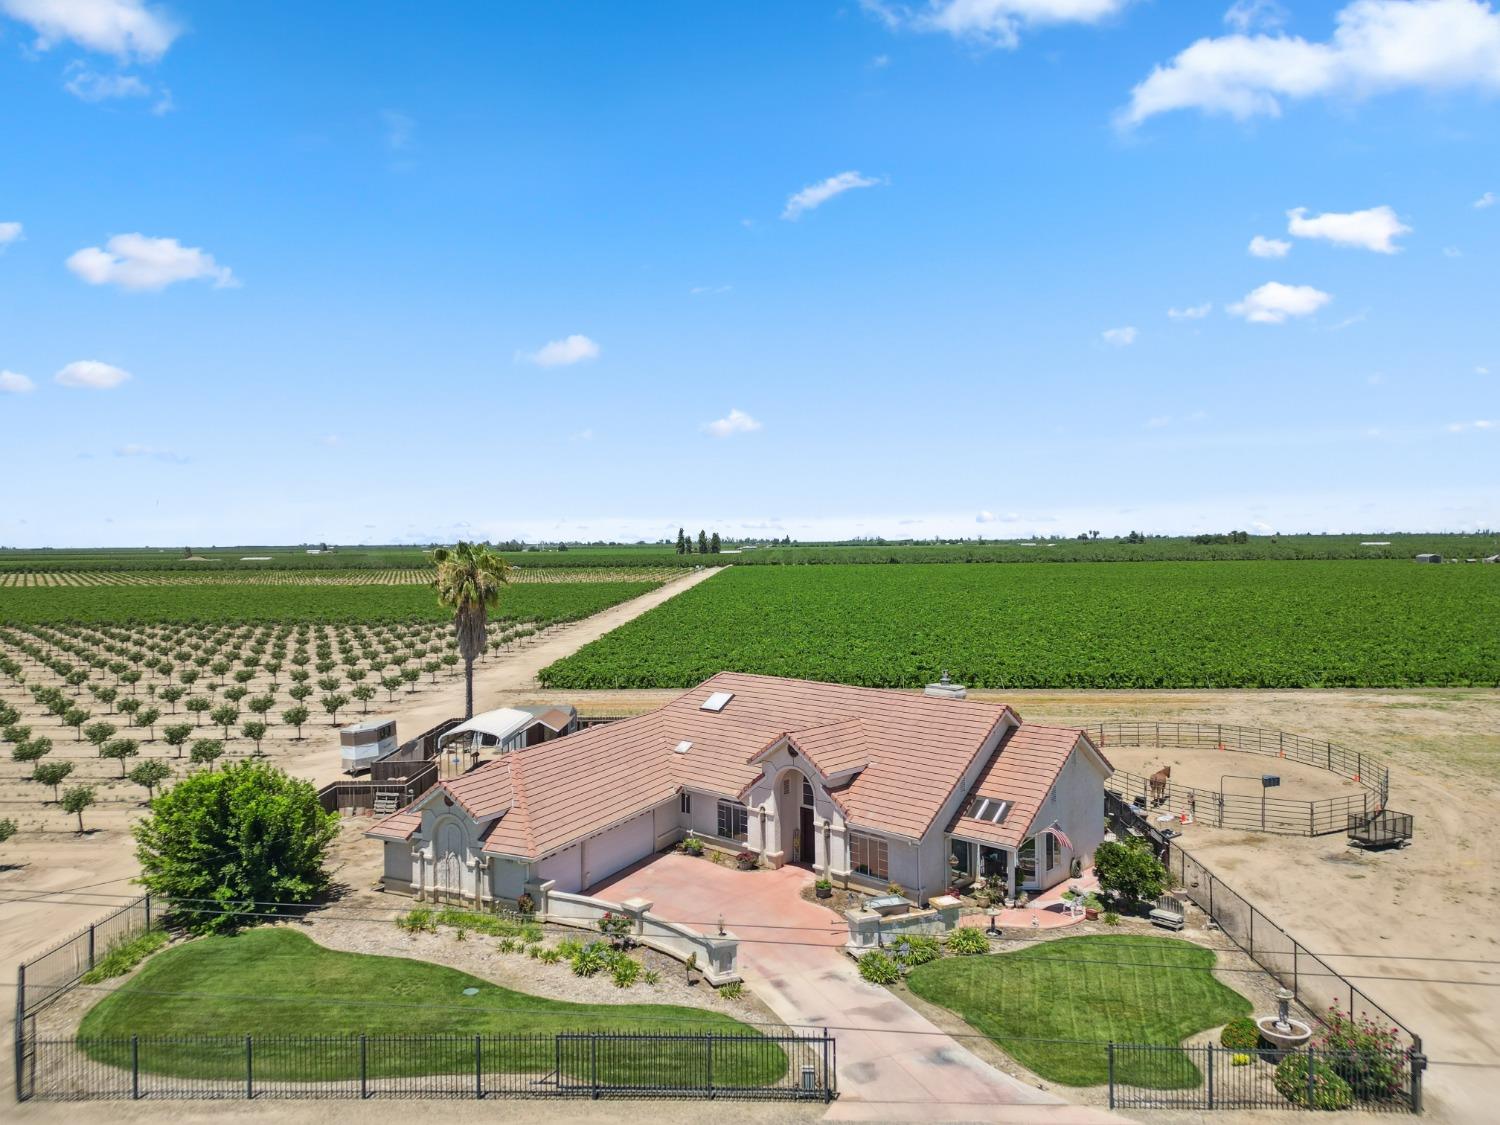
<point x="261" y="705"/>
<point x="107" y="696"/>
<point x="172" y="694"/>
<point x="226" y="847"/>
<point x="1129" y="871"/>
<point x="392" y="685"/>
<point x="299" y="692"/>
<point x="176" y="735"/>
<point x="75" y="717"/>
<point x="77" y="799"/>
<point x="7" y="829"/>
<point x="225" y="715"/>
<point x="52" y="773"/>
<point x="131" y="676"/>
<point x="199" y="705"/>
<point x="99" y="733"/>
<point x="682" y="541"/>
<point x="206" y="751"/>
<point x="333" y="704"/>
<point x="119" y="749"/>
<point x="702" y="542"/>
<point x="254" y="730"/>
<point x="295" y="717"/>
<point x="364" y="693"/>
<point x="31" y="750"/>
<point x="146" y="717"/>
<point x="469" y="577"/>
<point x="149" y="774"/>
<point x="236" y="693"/>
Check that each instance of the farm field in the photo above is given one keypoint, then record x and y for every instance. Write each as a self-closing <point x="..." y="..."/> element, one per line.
<point x="533" y="603"/>
<point x="1198" y="625"/>
<point x="407" y="576"/>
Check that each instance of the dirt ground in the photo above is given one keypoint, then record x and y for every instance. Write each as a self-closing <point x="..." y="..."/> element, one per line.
<point x="1418" y="927"/>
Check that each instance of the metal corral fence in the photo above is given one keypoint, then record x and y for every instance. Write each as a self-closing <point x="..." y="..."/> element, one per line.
<point x="1246" y="812"/>
<point x="1209" y="1077"/>
<point x="1357" y="766"/>
<point x="1124" y="820"/>
<point x="570" y="1064"/>
<point x="1385" y="829"/>
<point x="1315" y="985"/>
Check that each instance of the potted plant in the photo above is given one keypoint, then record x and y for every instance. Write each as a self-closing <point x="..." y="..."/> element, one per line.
<point x="692" y="846"/>
<point x="1091" y="907"/>
<point x="823" y="888"/>
<point x="746" y="860"/>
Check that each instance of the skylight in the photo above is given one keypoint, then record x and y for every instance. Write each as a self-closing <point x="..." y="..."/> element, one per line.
<point x="717" y="701"/>
<point x="990" y="809"/>
<point x="682" y="747"/>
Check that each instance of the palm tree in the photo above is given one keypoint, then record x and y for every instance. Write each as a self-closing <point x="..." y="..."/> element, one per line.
<point x="469" y="577"/>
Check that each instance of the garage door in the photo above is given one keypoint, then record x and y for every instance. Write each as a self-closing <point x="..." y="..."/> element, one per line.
<point x="562" y="869"/>
<point x="618" y="848"/>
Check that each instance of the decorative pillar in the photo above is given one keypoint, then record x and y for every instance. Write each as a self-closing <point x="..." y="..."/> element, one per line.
<point x="417" y="871"/>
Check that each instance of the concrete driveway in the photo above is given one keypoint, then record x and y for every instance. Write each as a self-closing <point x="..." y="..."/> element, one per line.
<point x="791" y="954"/>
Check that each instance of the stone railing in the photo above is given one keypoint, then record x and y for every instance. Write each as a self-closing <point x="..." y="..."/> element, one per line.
<point x="869" y="929"/>
<point x="717" y="956"/>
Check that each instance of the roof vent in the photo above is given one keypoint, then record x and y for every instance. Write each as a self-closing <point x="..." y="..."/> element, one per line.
<point x="682" y="747"/>
<point x="946" y="688"/>
<point x="717" y="701"/>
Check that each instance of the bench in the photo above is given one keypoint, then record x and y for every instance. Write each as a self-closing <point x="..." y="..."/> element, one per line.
<point x="1168" y="914"/>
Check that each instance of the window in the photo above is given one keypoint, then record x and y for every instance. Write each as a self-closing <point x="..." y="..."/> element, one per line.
<point x="687" y="803"/>
<point x="807" y="794"/>
<point x="734" y="821"/>
<point x="1052" y="851"/>
<point x="990" y="809"/>
<point x="868" y="856"/>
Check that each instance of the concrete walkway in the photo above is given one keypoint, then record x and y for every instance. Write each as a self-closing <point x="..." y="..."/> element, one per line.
<point x="893" y="1063"/>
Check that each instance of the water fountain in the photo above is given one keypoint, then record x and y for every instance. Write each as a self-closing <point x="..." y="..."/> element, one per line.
<point x="1280" y="1030"/>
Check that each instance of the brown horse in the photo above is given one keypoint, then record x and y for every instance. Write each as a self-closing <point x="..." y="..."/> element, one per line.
<point x="1159" y="782"/>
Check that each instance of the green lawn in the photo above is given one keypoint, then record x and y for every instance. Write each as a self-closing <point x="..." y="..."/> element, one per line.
<point x="276" y="982"/>
<point x="1147" y="990"/>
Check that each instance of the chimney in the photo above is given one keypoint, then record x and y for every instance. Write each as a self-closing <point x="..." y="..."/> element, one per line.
<point x="945" y="688"/>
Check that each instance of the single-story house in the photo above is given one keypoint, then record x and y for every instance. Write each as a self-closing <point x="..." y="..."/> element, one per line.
<point x="867" y="787"/>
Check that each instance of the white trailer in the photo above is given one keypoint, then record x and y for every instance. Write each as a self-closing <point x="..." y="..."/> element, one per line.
<point x="361" y="743"/>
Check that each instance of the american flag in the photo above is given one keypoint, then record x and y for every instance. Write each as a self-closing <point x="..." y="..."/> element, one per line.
<point x="1062" y="837"/>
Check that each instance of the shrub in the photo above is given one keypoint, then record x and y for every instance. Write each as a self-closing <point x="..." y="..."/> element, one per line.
<point x="122" y="956"/>
<point x="1369" y="1055"/>
<point x="590" y="959"/>
<point x="509" y="945"/>
<point x="1129" y="872"/>
<point x="616" y="927"/>
<point x="417" y="920"/>
<point x="732" y="991"/>
<point x="1240" y="1034"/>
<point x="1328" y="1090"/>
<point x="968" y="940"/>
<point x="916" y="950"/>
<point x="651" y="976"/>
<point x="691" y="846"/>
<point x="550" y="955"/>
<point x="878" y="968"/>
<point x="525" y="905"/>
<point x="225" y="847"/>
<point x="1111" y="918"/>
<point x="625" y="972"/>
<point x="1240" y="1060"/>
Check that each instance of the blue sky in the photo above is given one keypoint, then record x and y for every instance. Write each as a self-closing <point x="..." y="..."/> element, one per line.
<point x="399" y="272"/>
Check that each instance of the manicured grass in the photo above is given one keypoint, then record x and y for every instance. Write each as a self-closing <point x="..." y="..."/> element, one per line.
<point x="1146" y="990"/>
<point x="276" y="982"/>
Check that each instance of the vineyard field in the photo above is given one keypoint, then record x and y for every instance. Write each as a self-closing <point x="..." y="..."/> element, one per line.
<point x="1152" y="625"/>
<point x="538" y="603"/>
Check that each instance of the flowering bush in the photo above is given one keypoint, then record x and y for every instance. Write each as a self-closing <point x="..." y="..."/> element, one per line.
<point x="1240" y="1034"/>
<point x="1327" y="1089"/>
<point x="746" y="860"/>
<point x="1369" y="1056"/>
<point x="616" y="927"/>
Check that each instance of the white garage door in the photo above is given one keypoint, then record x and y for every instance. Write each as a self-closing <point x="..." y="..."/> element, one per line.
<point x="619" y="847"/>
<point x="562" y="869"/>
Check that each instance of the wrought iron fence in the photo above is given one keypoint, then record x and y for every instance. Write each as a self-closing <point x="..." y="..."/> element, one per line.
<point x="1356" y="765"/>
<point x="572" y="1064"/>
<point x="1209" y="1077"/>
<point x="1316" y="987"/>
<point x="46" y="977"/>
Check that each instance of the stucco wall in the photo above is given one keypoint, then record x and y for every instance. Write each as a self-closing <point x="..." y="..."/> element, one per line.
<point x="1077" y="804"/>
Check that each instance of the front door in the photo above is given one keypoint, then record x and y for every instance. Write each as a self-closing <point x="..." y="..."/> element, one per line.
<point x="807" y="850"/>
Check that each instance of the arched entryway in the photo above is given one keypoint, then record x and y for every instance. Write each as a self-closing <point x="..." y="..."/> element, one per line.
<point x="448" y="858"/>
<point x="796" y="816"/>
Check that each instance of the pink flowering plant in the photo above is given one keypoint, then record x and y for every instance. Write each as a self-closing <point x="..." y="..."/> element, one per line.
<point x="1367" y="1055"/>
<point x="616" y="927"/>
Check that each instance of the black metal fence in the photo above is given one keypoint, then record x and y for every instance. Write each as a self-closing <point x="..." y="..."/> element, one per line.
<point x="571" y="1064"/>
<point x="1209" y="1077"/>
<point x="1385" y="829"/>
<point x="1124" y="820"/>
<point x="1368" y="771"/>
<point x="1316" y="987"/>
<point x="47" y="976"/>
<point x="1243" y="811"/>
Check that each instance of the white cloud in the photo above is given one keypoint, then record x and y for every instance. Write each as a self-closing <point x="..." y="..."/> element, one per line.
<point x="1120" y="337"/>
<point x="1488" y="199"/>
<point x="136" y="262"/>
<point x="1481" y="370"/>
<point x="1452" y="252"/>
<point x="91" y="373"/>
<point x="995" y="23"/>
<point x="735" y="422"/>
<point x="815" y="195"/>
<point x="1274" y="303"/>
<point x="702" y="290"/>
<point x="1192" y="312"/>
<point x="135" y="450"/>
<point x="13" y="382"/>
<point x="1478" y="424"/>
<point x="123" y="28"/>
<point x="1263" y="247"/>
<point x="582" y="435"/>
<point x="986" y="517"/>
<point x="562" y="353"/>
<point x="1254" y="15"/>
<point x="89" y="85"/>
<point x="1376" y="46"/>
<point x="333" y="441"/>
<point x="1371" y="229"/>
<point x="10" y="232"/>
<point x="880" y="61"/>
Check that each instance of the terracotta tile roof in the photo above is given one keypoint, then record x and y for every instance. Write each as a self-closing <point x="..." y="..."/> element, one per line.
<point x="1022" y="772"/>
<point x="397" y="826"/>
<point x="835" y="748"/>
